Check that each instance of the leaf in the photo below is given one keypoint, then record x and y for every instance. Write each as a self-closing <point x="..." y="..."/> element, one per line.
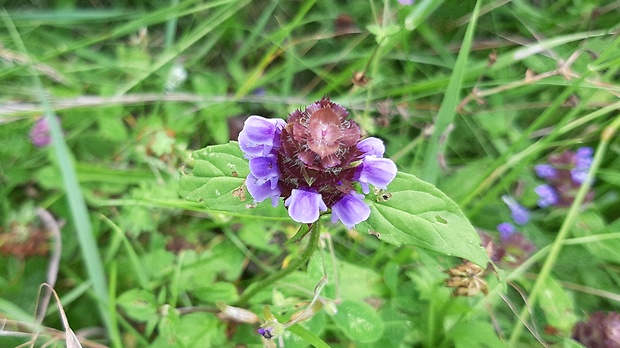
<point x="605" y="244"/>
<point x="358" y="321"/>
<point x="557" y="306"/>
<point x="475" y="334"/>
<point x="417" y="213"/>
<point x="138" y="304"/>
<point x="218" y="182"/>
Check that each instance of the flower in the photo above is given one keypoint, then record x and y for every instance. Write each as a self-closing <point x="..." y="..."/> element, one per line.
<point x="40" y="133"/>
<point x="547" y="195"/>
<point x="506" y="229"/>
<point x="520" y="215"/>
<point x="304" y="205"/>
<point x="601" y="330"/>
<point x="314" y="161"/>
<point x="564" y="174"/>
<point x="350" y="209"/>
<point x="260" y="135"/>
<point x="406" y="2"/>
<point x="583" y="161"/>
<point x="546" y="171"/>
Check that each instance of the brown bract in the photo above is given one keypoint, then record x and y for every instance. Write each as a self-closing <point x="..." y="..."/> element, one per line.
<point x="319" y="150"/>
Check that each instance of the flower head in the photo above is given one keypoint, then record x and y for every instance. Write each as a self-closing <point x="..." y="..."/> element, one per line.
<point x="547" y="195"/>
<point x="601" y="330"/>
<point x="40" y="133"/>
<point x="564" y="174"/>
<point x="313" y="161"/>
<point x="520" y="215"/>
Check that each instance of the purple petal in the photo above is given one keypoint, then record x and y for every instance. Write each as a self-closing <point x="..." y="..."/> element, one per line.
<point x="304" y="205"/>
<point x="519" y="214"/>
<point x="372" y="147"/>
<point x="259" y="135"/>
<point x="547" y="195"/>
<point x="505" y="230"/>
<point x="406" y="2"/>
<point x="583" y="156"/>
<point x="265" y="169"/>
<point x="376" y="171"/>
<point x="545" y="171"/>
<point x="40" y="133"/>
<point x="350" y="210"/>
<point x="261" y="190"/>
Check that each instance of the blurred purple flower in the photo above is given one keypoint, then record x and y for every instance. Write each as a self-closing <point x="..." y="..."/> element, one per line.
<point x="40" y="133"/>
<point x="520" y="215"/>
<point x="506" y="229"/>
<point x="583" y="161"/>
<point x="406" y="2"/>
<point x="564" y="175"/>
<point x="599" y="331"/>
<point x="312" y="161"/>
<point x="547" y="195"/>
<point x="545" y="171"/>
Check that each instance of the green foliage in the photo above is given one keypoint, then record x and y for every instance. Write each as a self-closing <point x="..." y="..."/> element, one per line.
<point x="145" y="182"/>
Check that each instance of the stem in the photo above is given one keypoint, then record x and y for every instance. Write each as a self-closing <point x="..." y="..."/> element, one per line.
<point x="607" y="135"/>
<point x="295" y="264"/>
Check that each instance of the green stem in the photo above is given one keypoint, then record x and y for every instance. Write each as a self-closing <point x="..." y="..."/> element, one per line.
<point x="295" y="264"/>
<point x="607" y="135"/>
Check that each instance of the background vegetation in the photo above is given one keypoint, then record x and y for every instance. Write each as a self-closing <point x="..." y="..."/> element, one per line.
<point x="467" y="95"/>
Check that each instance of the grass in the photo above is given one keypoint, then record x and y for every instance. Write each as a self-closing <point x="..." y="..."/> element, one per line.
<point x="469" y="96"/>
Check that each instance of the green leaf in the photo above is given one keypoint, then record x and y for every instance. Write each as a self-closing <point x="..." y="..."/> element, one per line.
<point x="417" y="213"/>
<point x="218" y="291"/>
<point x="218" y="182"/>
<point x="475" y="334"/>
<point x="557" y="306"/>
<point x="358" y="321"/>
<point x="138" y="304"/>
<point x="605" y="244"/>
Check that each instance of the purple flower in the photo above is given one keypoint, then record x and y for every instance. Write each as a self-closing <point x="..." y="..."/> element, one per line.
<point x="304" y="205"/>
<point x="350" y="210"/>
<point x="40" y="133"/>
<point x="520" y="215"/>
<point x="261" y="190"/>
<point x="266" y="333"/>
<point x="548" y="196"/>
<point x="546" y="171"/>
<point x="406" y="2"/>
<point x="376" y="171"/>
<point x="260" y="135"/>
<point x="265" y="169"/>
<point x="583" y="161"/>
<point x="313" y="161"/>
<point x="506" y="229"/>
<point x="371" y="147"/>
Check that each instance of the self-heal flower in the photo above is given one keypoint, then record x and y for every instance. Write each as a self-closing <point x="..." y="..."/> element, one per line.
<point x="545" y="171"/>
<point x="304" y="205"/>
<point x="519" y="214"/>
<point x="505" y="229"/>
<point x="547" y="195"/>
<point x="583" y="161"/>
<point x="376" y="171"/>
<point x="314" y="161"/>
<point x="564" y="174"/>
<point x="260" y="135"/>
<point x="350" y="209"/>
<point x="40" y="133"/>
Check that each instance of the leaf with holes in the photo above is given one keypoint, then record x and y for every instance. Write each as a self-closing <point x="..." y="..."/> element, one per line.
<point x="414" y="212"/>
<point x="218" y="182"/>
